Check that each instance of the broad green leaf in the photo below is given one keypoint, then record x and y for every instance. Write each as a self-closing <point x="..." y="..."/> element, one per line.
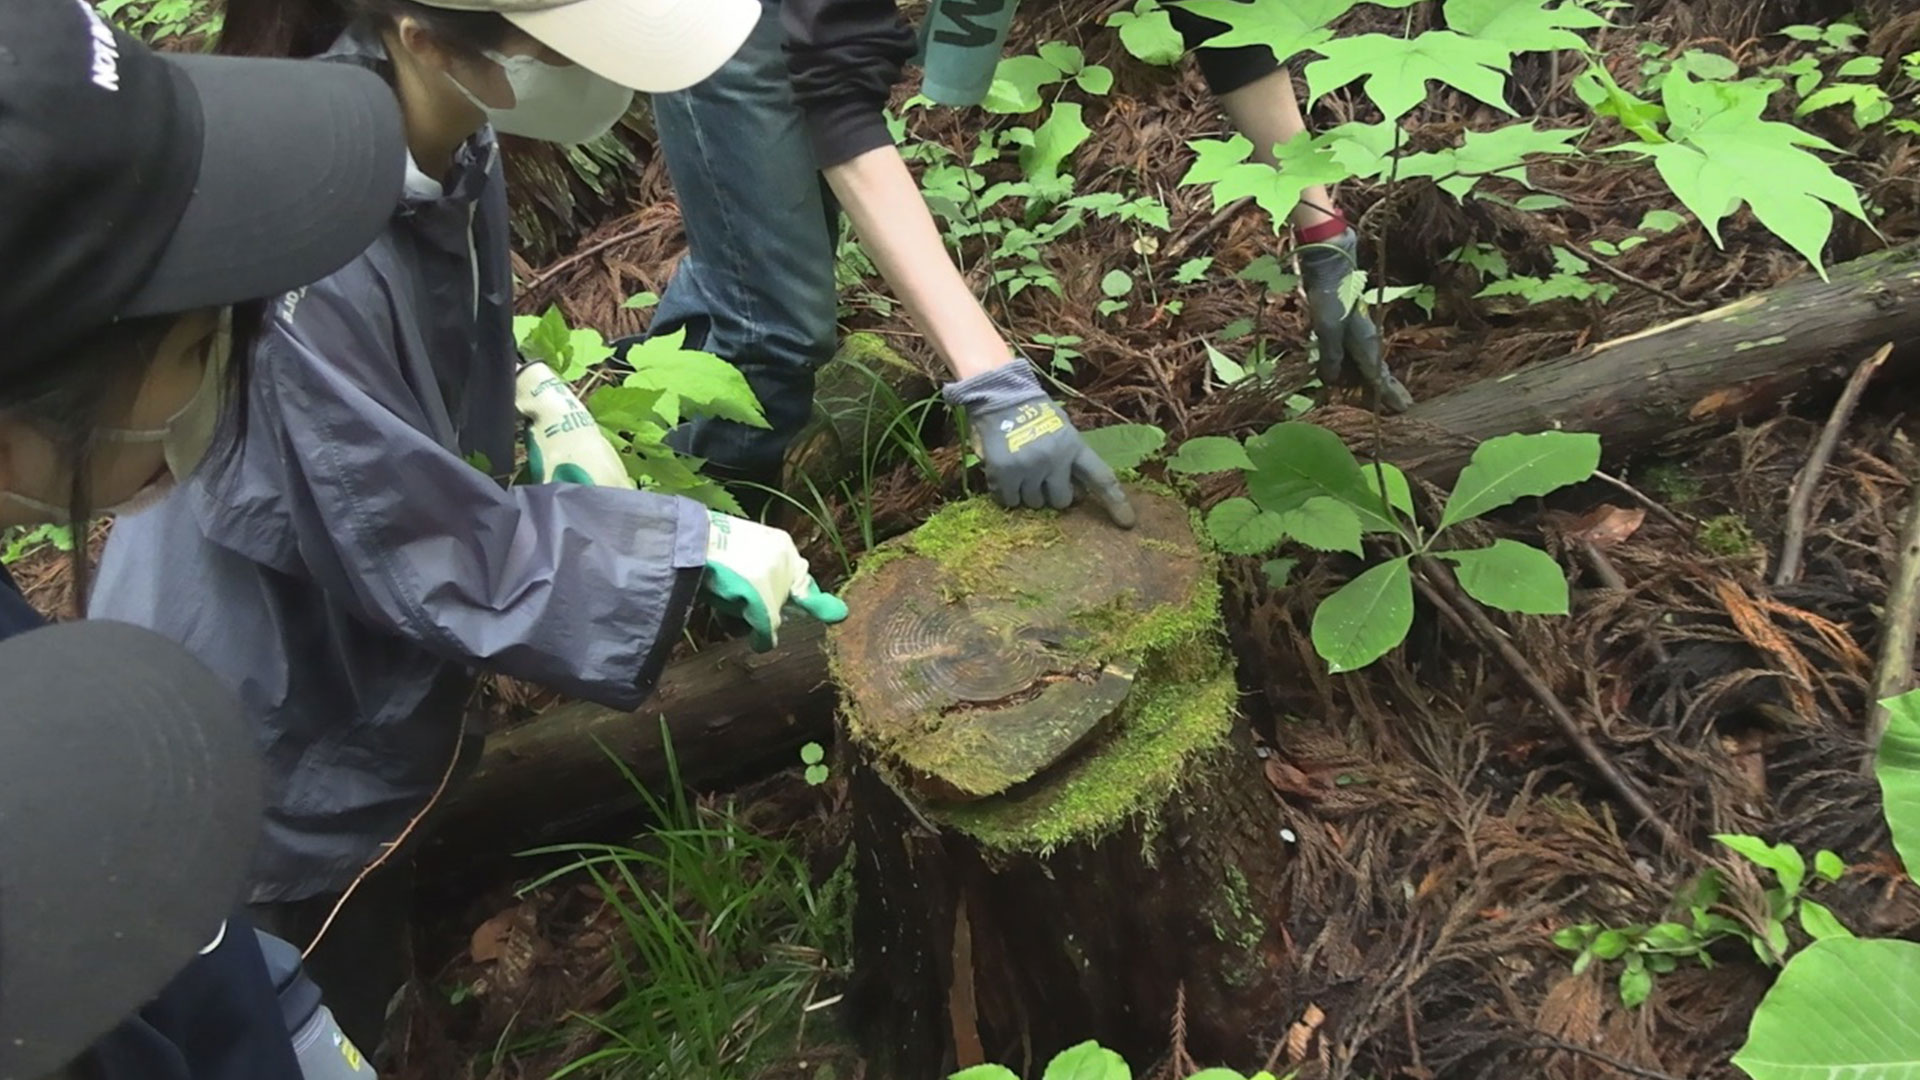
<point x="1501" y="152"/>
<point x="1225" y="368"/>
<point x="1238" y="527"/>
<point x="1053" y="143"/>
<point x="1352" y="288"/>
<point x="986" y="1072"/>
<point x="1512" y="576"/>
<point x="1066" y="58"/>
<point x="1661" y="221"/>
<point x="1017" y="83"/>
<point x="1117" y="283"/>
<point x="1596" y="87"/>
<point x="1705" y="65"/>
<point x="1574" y="938"/>
<point x="1843" y="1007"/>
<point x="1636" y="984"/>
<point x="1095" y="79"/>
<point x="1828" y="866"/>
<point x="1399" y="492"/>
<point x="1783" y="859"/>
<point x="1209" y="454"/>
<point x="1512" y="467"/>
<point x="1485" y="258"/>
<point x="1860" y="67"/>
<point x="1295" y="461"/>
<point x="1124" y="446"/>
<point x="544" y="338"/>
<point x="1870" y="103"/>
<point x="629" y="409"/>
<point x="1216" y="1074"/>
<point x="813" y="753"/>
<point x="1288" y="27"/>
<point x="1668" y="935"/>
<point x="1229" y="167"/>
<point x="1367" y="618"/>
<point x="1397" y="70"/>
<point x="1523" y="25"/>
<point x="1538" y="202"/>
<point x="1088" y="1061"/>
<point x="1365" y="150"/>
<point x="1724" y="154"/>
<point x="1611" y="944"/>
<point x="693" y="381"/>
<point x="1897" y="767"/>
<point x="1193" y="270"/>
<point x="1267" y="270"/>
<point x="1820" y="923"/>
<point x="1277" y="571"/>
<point x="1324" y="524"/>
<point x="1147" y="32"/>
<point x="641" y="300"/>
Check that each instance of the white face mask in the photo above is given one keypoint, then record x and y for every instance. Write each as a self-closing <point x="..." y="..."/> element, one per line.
<point x="565" y="105"/>
<point x="184" y="438"/>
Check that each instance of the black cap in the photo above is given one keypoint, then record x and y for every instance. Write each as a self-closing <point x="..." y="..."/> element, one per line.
<point x="135" y="183"/>
<point x="130" y="802"/>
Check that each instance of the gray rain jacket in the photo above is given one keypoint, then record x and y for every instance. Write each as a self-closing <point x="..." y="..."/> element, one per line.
<point x="350" y="568"/>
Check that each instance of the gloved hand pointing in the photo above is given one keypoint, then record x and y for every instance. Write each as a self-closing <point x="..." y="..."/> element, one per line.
<point x="1033" y="455"/>
<point x="1346" y="337"/>
<point x="564" y="441"/>
<point x="754" y="571"/>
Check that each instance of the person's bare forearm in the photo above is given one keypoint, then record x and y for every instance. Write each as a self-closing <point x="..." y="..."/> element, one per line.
<point x="1267" y="112"/>
<point x="892" y="220"/>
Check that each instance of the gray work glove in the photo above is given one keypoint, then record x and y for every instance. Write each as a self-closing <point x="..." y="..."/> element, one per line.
<point x="1032" y="453"/>
<point x="1346" y="337"/>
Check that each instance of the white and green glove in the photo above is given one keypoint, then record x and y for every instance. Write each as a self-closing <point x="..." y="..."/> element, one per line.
<point x="754" y="572"/>
<point x="564" y="442"/>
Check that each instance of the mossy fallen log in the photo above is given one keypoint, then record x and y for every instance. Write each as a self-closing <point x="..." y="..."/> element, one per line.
<point x="1058" y="818"/>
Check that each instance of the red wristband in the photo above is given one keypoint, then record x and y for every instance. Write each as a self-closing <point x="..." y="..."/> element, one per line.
<point x="1323" y="232"/>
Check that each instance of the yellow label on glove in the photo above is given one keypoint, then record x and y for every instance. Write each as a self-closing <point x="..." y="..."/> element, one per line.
<point x="1031" y="424"/>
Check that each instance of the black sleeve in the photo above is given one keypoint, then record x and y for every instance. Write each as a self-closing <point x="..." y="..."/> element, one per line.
<point x="1226" y="70"/>
<point x="845" y="57"/>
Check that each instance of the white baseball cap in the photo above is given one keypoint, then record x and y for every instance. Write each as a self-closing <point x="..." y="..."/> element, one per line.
<point x="654" y="46"/>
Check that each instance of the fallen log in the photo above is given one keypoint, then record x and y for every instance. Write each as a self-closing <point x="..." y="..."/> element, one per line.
<point x="1670" y="384"/>
<point x="1648" y="391"/>
<point x="1043" y="722"/>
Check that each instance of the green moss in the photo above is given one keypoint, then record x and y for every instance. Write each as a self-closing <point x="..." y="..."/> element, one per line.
<point x="970" y="540"/>
<point x="1162" y="734"/>
<point x="1672" y="483"/>
<point x="1726" y="535"/>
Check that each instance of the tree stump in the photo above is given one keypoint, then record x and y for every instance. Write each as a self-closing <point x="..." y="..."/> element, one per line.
<point x="1059" y="820"/>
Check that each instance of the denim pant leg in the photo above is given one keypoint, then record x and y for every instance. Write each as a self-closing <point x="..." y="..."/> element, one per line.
<point x="757" y="285"/>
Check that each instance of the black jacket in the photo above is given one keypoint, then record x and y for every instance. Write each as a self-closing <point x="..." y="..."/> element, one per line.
<point x="846" y="55"/>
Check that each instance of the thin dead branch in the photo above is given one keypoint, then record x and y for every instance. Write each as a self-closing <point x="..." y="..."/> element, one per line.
<point x="1893" y="675"/>
<point x="1807" y="483"/>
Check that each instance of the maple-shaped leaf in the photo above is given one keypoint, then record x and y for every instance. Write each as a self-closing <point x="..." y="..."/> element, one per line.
<point x="1397" y="70"/>
<point x="1365" y="150"/>
<point x="1523" y="25"/>
<point x="1288" y="27"/>
<point x="1500" y="152"/>
<point x="1227" y="165"/>
<point x="1723" y="153"/>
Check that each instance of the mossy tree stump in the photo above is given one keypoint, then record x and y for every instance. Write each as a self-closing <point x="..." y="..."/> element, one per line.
<point x="1059" y="818"/>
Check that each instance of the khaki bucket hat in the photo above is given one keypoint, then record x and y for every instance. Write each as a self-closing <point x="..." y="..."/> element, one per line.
<point x="654" y="46"/>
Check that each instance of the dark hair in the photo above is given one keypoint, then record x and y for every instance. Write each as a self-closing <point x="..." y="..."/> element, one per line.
<point x="304" y="28"/>
<point x="67" y="403"/>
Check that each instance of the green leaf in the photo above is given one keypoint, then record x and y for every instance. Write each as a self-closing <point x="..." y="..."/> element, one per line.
<point x="1295" y="461"/>
<point x="1399" y="492"/>
<point x="1277" y="571"/>
<point x="1397" y="70"/>
<point x="1819" y="922"/>
<point x="1216" y="1074"/>
<point x="1869" y="102"/>
<point x="1147" y="32"/>
<point x="1268" y="270"/>
<point x="1661" y="221"/>
<point x="546" y="339"/>
<point x="1523" y="25"/>
<point x="1512" y="467"/>
<point x="1066" y="58"/>
<point x="1636" y="985"/>
<point x="1017" y="83"/>
<point x="1324" y="524"/>
<point x="816" y="775"/>
<point x="985" y="1072"/>
<point x="1484" y="258"/>
<point x="1209" y="454"/>
<point x="1842" y="1008"/>
<point x="1365" y="150"/>
<point x="1229" y="167"/>
<point x="1783" y="859"/>
<point x="1538" y="202"/>
<point x="1367" y="618"/>
<point x="1897" y="766"/>
<point x="1724" y="154"/>
<point x="1500" y="152"/>
<point x="1095" y="79"/>
<point x="693" y="381"/>
<point x="1193" y="270"/>
<point x="1053" y="143"/>
<point x="1239" y="527"/>
<point x="1124" y="446"/>
<point x="813" y="753"/>
<point x="1512" y="576"/>
<point x="1117" y="283"/>
<point x="630" y="409"/>
<point x="1705" y="65"/>
<point x="1668" y="935"/>
<point x="1352" y="288"/>
<point x="1596" y="87"/>
<point x="1287" y="27"/>
<point x="1225" y="368"/>
<point x="1611" y="944"/>
<point x="641" y="301"/>
<point x="1574" y="938"/>
<point x="1088" y="1061"/>
<point x="1861" y="67"/>
<point x="1828" y="866"/>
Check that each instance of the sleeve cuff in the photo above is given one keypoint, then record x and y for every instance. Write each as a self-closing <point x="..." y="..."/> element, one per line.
<point x="843" y="130"/>
<point x="1009" y="384"/>
<point x="691" y="533"/>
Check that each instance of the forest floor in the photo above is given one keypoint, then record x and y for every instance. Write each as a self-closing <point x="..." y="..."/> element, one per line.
<point x="1443" y="831"/>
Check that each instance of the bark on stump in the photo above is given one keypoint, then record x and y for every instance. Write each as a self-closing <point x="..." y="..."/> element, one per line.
<point x="1059" y="820"/>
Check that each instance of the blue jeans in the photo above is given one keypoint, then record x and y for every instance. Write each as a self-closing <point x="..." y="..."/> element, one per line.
<point x="757" y="286"/>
